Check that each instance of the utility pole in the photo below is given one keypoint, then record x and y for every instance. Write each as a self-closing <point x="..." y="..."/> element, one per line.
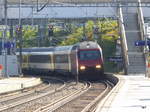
<point x="77" y="72"/>
<point x="84" y="32"/>
<point x="32" y="18"/>
<point x="5" y="37"/>
<point x="20" y="39"/>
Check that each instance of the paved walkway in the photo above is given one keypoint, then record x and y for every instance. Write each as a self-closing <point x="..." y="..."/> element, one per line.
<point x="12" y="84"/>
<point x="132" y="94"/>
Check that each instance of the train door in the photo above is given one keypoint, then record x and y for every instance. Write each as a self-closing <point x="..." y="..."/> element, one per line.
<point x="74" y="62"/>
<point x="61" y="63"/>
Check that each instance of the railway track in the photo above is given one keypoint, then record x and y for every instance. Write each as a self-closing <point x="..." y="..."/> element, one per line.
<point x="58" y="96"/>
<point x="81" y="101"/>
<point x="61" y="100"/>
<point x="8" y="103"/>
<point x="87" y="101"/>
<point x="31" y="102"/>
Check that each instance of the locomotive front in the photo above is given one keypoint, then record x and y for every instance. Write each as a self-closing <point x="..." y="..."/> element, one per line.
<point x="90" y="61"/>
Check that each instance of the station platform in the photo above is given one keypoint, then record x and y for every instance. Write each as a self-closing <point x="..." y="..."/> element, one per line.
<point x="17" y="83"/>
<point x="131" y="94"/>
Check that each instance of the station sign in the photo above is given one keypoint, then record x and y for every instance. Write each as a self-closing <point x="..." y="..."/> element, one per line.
<point x="115" y="58"/>
<point x="141" y="43"/>
<point x="9" y="45"/>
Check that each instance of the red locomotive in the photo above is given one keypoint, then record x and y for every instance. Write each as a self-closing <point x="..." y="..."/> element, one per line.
<point x="90" y="60"/>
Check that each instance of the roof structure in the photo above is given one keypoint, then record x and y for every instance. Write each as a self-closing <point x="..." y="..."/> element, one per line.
<point x="69" y="1"/>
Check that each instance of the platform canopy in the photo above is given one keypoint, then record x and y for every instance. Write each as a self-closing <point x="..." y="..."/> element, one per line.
<point x="69" y="1"/>
<point x="68" y="8"/>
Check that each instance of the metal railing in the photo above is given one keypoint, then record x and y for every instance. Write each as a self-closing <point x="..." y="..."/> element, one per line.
<point x="143" y="35"/>
<point x="141" y="21"/>
<point x="123" y="39"/>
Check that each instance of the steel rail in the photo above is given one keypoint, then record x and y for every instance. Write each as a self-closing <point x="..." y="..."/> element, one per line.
<point x="5" y="99"/>
<point x="110" y="96"/>
<point x="86" y="102"/>
<point x="9" y="106"/>
<point x="89" y="106"/>
<point x="20" y="91"/>
<point x="63" y="100"/>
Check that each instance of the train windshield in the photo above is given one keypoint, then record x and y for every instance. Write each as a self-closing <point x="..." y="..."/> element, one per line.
<point x="89" y="55"/>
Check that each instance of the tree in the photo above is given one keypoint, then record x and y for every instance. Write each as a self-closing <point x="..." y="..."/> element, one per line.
<point x="107" y="30"/>
<point x="1" y="34"/>
<point x="29" y="36"/>
<point x="89" y="30"/>
<point x="73" y="38"/>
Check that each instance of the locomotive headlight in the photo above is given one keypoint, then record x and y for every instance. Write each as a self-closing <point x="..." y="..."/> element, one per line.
<point x="98" y="66"/>
<point x="82" y="67"/>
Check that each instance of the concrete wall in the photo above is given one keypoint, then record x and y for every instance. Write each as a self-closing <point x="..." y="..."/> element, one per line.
<point x="146" y="11"/>
<point x="12" y="65"/>
<point x="14" y="84"/>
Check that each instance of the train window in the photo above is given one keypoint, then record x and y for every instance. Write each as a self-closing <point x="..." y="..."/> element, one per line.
<point x="61" y="58"/>
<point x="89" y="55"/>
<point x="40" y="59"/>
<point x="74" y="47"/>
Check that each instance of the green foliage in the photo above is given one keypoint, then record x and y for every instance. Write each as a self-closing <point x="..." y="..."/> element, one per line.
<point x="73" y="38"/>
<point x="70" y="41"/>
<point x="108" y="30"/>
<point x="89" y="30"/>
<point x="60" y="32"/>
<point x="29" y="36"/>
<point x="1" y="34"/>
<point x="77" y="34"/>
<point x="107" y="39"/>
<point x="29" y="33"/>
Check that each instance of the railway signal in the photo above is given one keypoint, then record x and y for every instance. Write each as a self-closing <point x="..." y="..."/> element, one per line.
<point x="96" y="30"/>
<point x="19" y="36"/>
<point x="9" y="45"/>
<point x="115" y="58"/>
<point x="50" y="30"/>
<point x="18" y="30"/>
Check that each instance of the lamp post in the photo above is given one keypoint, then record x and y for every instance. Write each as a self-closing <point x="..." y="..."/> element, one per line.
<point x="5" y="36"/>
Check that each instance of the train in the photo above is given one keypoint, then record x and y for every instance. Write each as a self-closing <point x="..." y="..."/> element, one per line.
<point x="84" y="59"/>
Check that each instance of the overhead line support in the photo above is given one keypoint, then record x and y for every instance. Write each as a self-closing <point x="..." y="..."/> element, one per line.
<point x="38" y="10"/>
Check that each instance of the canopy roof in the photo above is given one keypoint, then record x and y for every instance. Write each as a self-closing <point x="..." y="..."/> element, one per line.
<point x="69" y="1"/>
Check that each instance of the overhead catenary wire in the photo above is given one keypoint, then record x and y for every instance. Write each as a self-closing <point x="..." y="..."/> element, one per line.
<point x="38" y="10"/>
